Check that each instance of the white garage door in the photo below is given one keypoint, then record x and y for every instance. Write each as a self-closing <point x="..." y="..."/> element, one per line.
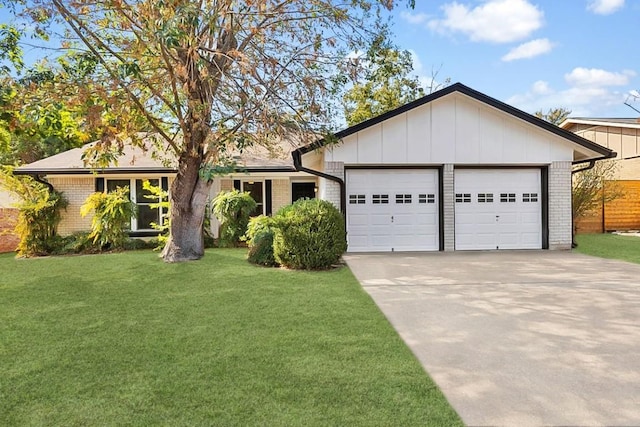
<point x="392" y="210"/>
<point x="498" y="209"/>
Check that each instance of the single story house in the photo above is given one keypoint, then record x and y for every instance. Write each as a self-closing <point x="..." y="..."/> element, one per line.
<point x="454" y="170"/>
<point x="621" y="135"/>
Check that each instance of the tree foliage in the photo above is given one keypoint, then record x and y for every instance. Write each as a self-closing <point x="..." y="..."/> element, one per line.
<point x="594" y="187"/>
<point x="39" y="212"/>
<point x="554" y="115"/>
<point x="210" y="77"/>
<point x="386" y="84"/>
<point x="112" y="213"/>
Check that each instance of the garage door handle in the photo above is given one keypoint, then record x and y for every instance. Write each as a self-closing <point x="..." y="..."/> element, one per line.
<point x="392" y="218"/>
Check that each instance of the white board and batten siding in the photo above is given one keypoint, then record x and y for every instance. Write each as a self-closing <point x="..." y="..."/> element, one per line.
<point x="392" y="210"/>
<point x="454" y="129"/>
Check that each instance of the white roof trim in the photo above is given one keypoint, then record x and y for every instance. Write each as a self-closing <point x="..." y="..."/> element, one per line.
<point x="568" y="122"/>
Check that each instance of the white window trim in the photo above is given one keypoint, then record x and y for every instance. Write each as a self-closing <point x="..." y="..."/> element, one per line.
<point x="132" y="197"/>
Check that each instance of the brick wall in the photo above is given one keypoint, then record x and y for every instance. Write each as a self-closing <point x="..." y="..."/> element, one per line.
<point x="76" y="190"/>
<point x="8" y="239"/>
<point x="280" y="193"/>
<point x="560" y="205"/>
<point x="226" y="185"/>
<point x="449" y="208"/>
<point x="330" y="190"/>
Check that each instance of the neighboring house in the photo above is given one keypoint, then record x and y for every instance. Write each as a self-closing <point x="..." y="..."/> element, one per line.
<point x="623" y="137"/>
<point x="454" y="170"/>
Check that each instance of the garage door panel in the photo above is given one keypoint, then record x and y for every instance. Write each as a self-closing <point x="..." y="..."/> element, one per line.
<point x="504" y="204"/>
<point x="408" y="220"/>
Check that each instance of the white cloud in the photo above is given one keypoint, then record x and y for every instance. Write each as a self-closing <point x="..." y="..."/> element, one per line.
<point x="541" y="88"/>
<point x="496" y="21"/>
<point x="529" y="50"/>
<point x="595" y="77"/>
<point x="414" y="18"/>
<point x="588" y="93"/>
<point x="605" y="7"/>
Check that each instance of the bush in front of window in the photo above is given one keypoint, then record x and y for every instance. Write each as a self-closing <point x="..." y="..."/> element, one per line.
<point x="259" y="237"/>
<point x="232" y="209"/>
<point x="309" y="235"/>
<point x="39" y="213"/>
<point x="112" y="217"/>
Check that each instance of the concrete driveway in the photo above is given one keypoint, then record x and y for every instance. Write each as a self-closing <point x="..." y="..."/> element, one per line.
<point x="518" y="338"/>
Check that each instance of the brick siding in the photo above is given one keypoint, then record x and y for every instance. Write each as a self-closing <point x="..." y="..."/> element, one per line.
<point x="331" y="190"/>
<point x="449" y="208"/>
<point x="280" y="193"/>
<point x="75" y="190"/>
<point x="560" y="205"/>
<point x="8" y="239"/>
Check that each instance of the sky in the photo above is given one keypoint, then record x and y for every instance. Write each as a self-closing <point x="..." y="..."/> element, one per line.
<point x="582" y="55"/>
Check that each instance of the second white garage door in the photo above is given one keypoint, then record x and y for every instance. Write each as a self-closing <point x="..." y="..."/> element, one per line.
<point x="392" y="210"/>
<point x="498" y="209"/>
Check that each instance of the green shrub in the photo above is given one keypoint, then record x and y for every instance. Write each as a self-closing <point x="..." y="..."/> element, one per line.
<point x="39" y="213"/>
<point x="161" y="199"/>
<point x="259" y="237"/>
<point x="232" y="208"/>
<point x="112" y="217"/>
<point x="309" y="234"/>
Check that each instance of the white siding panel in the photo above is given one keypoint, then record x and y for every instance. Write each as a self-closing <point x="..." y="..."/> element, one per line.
<point x="514" y="147"/>
<point x="491" y="136"/>
<point x="370" y="145"/>
<point x="345" y="151"/>
<point x="443" y="130"/>
<point x="419" y="134"/>
<point x="454" y="129"/>
<point x="467" y="132"/>
<point x="394" y="140"/>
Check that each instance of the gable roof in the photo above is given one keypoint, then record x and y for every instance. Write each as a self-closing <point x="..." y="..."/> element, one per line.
<point x="460" y="88"/>
<point x="632" y="123"/>
<point x="136" y="160"/>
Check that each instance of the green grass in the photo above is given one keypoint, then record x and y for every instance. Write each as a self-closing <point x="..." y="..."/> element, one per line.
<point x="626" y="248"/>
<point x="124" y="339"/>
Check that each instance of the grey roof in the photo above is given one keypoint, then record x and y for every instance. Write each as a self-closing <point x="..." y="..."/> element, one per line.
<point x="136" y="160"/>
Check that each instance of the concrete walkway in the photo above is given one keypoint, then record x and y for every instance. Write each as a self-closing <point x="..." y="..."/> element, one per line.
<point x="522" y="338"/>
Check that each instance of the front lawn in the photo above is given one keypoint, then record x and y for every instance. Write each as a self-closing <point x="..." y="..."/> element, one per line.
<point x="626" y="248"/>
<point x="124" y="339"/>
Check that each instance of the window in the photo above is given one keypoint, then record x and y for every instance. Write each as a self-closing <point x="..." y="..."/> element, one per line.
<point x="357" y="199"/>
<point x="507" y="197"/>
<point x="303" y="190"/>
<point x="463" y="197"/>
<point x="380" y="199"/>
<point x="426" y="198"/>
<point x="140" y="196"/>
<point x="403" y="199"/>
<point x="485" y="197"/>
<point x="255" y="189"/>
<point x="530" y="197"/>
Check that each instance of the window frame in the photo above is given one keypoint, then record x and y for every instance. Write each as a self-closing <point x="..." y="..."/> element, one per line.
<point x="133" y="224"/>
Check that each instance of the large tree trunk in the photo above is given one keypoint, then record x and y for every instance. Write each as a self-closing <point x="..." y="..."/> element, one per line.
<point x="188" y="200"/>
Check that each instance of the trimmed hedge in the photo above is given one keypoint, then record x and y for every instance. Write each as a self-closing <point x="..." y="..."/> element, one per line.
<point x="260" y="233"/>
<point x="309" y="235"/>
